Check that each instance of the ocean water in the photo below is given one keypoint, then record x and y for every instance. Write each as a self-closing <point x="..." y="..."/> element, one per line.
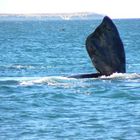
<point x="38" y="101"/>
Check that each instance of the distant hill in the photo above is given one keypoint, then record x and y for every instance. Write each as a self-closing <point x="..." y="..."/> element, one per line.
<point x="57" y="16"/>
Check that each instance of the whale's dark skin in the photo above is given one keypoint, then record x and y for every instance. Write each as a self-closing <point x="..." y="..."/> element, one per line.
<point x="106" y="50"/>
<point x="91" y="75"/>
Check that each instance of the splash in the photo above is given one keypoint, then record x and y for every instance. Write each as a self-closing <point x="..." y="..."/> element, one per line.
<point x="60" y="80"/>
<point x="64" y="81"/>
<point x="50" y="80"/>
<point x="121" y="76"/>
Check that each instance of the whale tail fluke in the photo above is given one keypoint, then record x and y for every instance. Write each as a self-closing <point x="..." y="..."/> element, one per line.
<point x="106" y="49"/>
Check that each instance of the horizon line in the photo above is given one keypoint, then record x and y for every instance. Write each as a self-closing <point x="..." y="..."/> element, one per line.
<point x="47" y="13"/>
<point x="62" y="13"/>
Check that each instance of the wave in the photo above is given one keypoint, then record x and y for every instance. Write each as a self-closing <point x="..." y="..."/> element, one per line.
<point x="27" y="81"/>
<point x="22" y="66"/>
<point x="50" y="80"/>
<point x="122" y="76"/>
<point x="63" y="81"/>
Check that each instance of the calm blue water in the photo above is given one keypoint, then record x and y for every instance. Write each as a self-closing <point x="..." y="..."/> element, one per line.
<point x="37" y="101"/>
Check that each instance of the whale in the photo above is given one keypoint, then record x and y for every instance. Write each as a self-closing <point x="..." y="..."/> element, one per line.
<point x="106" y="50"/>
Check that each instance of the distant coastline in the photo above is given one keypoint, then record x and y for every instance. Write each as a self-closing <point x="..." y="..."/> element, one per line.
<point x="52" y="16"/>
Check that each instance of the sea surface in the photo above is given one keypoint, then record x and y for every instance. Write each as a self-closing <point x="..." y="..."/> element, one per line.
<point x="39" y="102"/>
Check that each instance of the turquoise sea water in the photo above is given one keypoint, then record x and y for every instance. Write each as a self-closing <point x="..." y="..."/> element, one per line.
<point x="37" y="101"/>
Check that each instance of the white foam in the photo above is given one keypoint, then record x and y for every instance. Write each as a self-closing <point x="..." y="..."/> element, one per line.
<point x="122" y="76"/>
<point x="50" y="80"/>
<point x="22" y="67"/>
<point x="64" y="81"/>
